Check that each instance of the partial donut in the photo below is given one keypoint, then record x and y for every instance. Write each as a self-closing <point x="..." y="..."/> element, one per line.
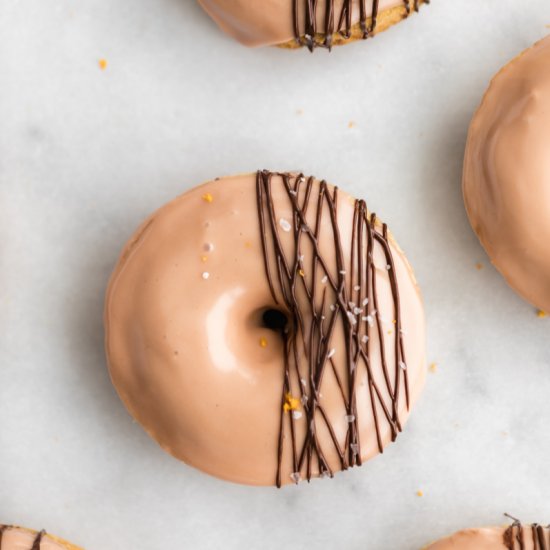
<point x="297" y="23"/>
<point x="514" y="537"/>
<point x="506" y="178"/>
<point x="266" y="328"/>
<point x="19" y="538"/>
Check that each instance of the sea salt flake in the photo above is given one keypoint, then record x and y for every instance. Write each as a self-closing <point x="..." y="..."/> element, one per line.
<point x="296" y="415"/>
<point x="324" y="280"/>
<point x="365" y="339"/>
<point x="342" y="272"/>
<point x="303" y="382"/>
<point x="357" y="310"/>
<point x="354" y="448"/>
<point x="350" y="418"/>
<point x="388" y="267"/>
<point x="331" y="353"/>
<point x="351" y="305"/>
<point x="304" y="399"/>
<point x="402" y="365"/>
<point x="296" y="477"/>
<point x="332" y="307"/>
<point x="365" y="301"/>
<point x="356" y="287"/>
<point x="301" y="258"/>
<point x="208" y="247"/>
<point x="292" y="192"/>
<point x="205" y="275"/>
<point x="285" y="225"/>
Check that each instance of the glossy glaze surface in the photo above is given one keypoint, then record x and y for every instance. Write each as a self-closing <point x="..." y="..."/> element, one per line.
<point x="187" y="350"/>
<point x="488" y="538"/>
<point x="269" y="22"/>
<point x="507" y="173"/>
<point x="19" y="538"/>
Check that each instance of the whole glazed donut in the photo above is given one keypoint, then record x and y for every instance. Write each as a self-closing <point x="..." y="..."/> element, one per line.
<point x="514" y="537"/>
<point x="19" y="538"/>
<point x="296" y="23"/>
<point x="265" y="328"/>
<point x="506" y="178"/>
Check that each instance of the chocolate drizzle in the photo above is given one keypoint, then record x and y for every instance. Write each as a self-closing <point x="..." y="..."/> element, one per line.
<point x="514" y="536"/>
<point x="337" y="22"/>
<point x="323" y="297"/>
<point x="37" y="542"/>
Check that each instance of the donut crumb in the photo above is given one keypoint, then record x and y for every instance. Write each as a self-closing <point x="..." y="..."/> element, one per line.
<point x="207" y="197"/>
<point x="263" y="342"/>
<point x="291" y="403"/>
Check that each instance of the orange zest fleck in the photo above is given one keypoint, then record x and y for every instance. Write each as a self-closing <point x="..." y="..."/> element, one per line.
<point x="419" y="493"/>
<point x="351" y="124"/>
<point x="263" y="342"/>
<point x="433" y="367"/>
<point x="479" y="266"/>
<point x="207" y="197"/>
<point x="301" y="273"/>
<point x="291" y="403"/>
<point x="102" y="64"/>
<point x="248" y="244"/>
<point x="204" y="259"/>
<point x="541" y="314"/>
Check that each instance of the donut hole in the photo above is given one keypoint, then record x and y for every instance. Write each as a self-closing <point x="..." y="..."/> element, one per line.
<point x="274" y="319"/>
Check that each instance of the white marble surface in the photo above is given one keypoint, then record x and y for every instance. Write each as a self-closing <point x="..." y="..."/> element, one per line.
<point x="86" y="154"/>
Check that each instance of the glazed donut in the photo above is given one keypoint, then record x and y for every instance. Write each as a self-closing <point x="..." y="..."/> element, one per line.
<point x="19" y="538"/>
<point x="265" y="328"/>
<point x="297" y="23"/>
<point x="514" y="537"/>
<point x="506" y="178"/>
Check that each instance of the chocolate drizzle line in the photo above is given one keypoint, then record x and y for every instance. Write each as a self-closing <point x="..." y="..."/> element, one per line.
<point x="348" y="301"/>
<point x="37" y="542"/>
<point x="514" y="536"/>
<point x="337" y="23"/>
